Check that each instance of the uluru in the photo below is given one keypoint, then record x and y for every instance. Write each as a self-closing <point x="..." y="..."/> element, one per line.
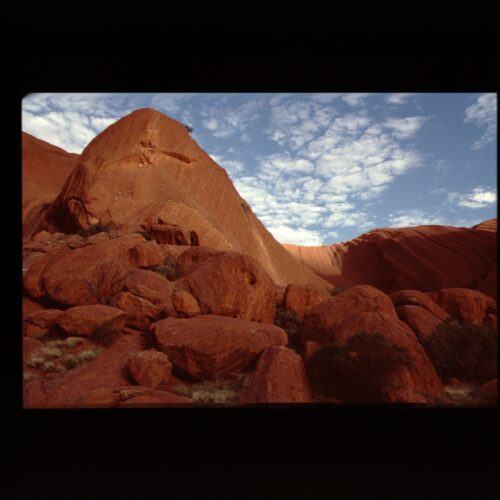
<point x="156" y="274"/>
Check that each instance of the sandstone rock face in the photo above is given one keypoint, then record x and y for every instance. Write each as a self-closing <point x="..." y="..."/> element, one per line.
<point x="208" y="345"/>
<point x="101" y="271"/>
<point x="150" y="286"/>
<point x="185" y="305"/>
<point x="467" y="305"/>
<point x="420" y="378"/>
<point x="146" y="254"/>
<point x="39" y="323"/>
<point x="147" y="165"/>
<point x="280" y="377"/>
<point x="416" y="298"/>
<point x="232" y="285"/>
<point x="140" y="312"/>
<point x="156" y="398"/>
<point x="150" y="368"/>
<point x="88" y="320"/>
<point x="323" y="320"/>
<point x="425" y="258"/>
<point x="300" y="298"/>
<point x="420" y="320"/>
<point x="45" y="169"/>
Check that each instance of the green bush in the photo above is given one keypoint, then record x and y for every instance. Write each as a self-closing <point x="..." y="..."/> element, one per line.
<point x="70" y="361"/>
<point x="89" y="354"/>
<point x="463" y="351"/>
<point x="170" y="269"/>
<point x="73" y="341"/>
<point x="94" y="229"/>
<point x="289" y="321"/>
<point x="354" y="371"/>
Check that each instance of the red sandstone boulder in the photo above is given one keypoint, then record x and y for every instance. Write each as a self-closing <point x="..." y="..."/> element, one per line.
<point x="42" y="237"/>
<point x="301" y="298"/>
<point x="280" y="377"/>
<point x="467" y="305"/>
<point x="140" y="312"/>
<point x="232" y="285"/>
<point x="151" y="286"/>
<point x="102" y="397"/>
<point x="146" y="254"/>
<point x="150" y="368"/>
<point x="322" y="321"/>
<point x="416" y="298"/>
<point x="88" y="320"/>
<point x="171" y="234"/>
<point x="207" y="346"/>
<point x="403" y="383"/>
<point x="30" y="306"/>
<point x="101" y="272"/>
<point x="420" y="320"/>
<point x="38" y="323"/>
<point x="191" y="257"/>
<point x="185" y="305"/>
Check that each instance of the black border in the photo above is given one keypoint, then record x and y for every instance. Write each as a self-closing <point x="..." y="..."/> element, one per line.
<point x="282" y="47"/>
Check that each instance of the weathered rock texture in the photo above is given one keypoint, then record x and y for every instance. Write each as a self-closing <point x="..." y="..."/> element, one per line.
<point x="280" y="377"/>
<point x="425" y="258"/>
<point x="207" y="346"/>
<point x="146" y="165"/>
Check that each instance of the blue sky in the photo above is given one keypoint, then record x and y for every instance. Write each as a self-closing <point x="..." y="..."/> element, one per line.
<point x="319" y="168"/>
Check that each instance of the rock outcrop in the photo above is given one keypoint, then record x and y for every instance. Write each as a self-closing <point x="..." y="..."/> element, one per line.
<point x="425" y="258"/>
<point x="146" y="165"/>
<point x="207" y="346"/>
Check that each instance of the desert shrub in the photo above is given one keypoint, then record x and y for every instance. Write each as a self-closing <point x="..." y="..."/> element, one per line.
<point x="189" y="129"/>
<point x="354" y="371"/>
<point x="105" y="336"/>
<point x="36" y="359"/>
<point x="29" y="376"/>
<point x="289" y="321"/>
<point x="48" y="366"/>
<point x="463" y="351"/>
<point x="339" y="289"/>
<point x="170" y="269"/>
<point x="94" y="229"/>
<point x="70" y="362"/>
<point x="51" y="351"/>
<point x="73" y="341"/>
<point x="89" y="354"/>
<point x="224" y="391"/>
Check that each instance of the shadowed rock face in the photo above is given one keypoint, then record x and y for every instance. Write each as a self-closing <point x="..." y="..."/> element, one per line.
<point x="45" y="169"/>
<point x="146" y="165"/>
<point x="424" y="258"/>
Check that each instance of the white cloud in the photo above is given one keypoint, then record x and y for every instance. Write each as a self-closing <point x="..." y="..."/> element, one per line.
<point x="326" y="97"/>
<point x="442" y="166"/>
<point x="356" y="98"/>
<point x="403" y="128"/>
<point x="224" y="121"/>
<point x="295" y="123"/>
<point x="483" y="113"/>
<point x="414" y="217"/>
<point x="398" y="99"/>
<point x="479" y="197"/>
<point x="295" y="235"/>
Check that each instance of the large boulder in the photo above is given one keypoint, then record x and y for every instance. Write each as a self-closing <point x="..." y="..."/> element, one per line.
<point x="140" y="312"/>
<point x="232" y="285"/>
<point x="39" y="323"/>
<point x="416" y="298"/>
<point x="207" y="346"/>
<point x="419" y="319"/>
<point x="151" y="286"/>
<point x="301" y="298"/>
<point x="280" y="377"/>
<point x="470" y="306"/>
<point x="404" y="383"/>
<point x="101" y="272"/>
<point x="150" y="368"/>
<point x="89" y="320"/>
<point x="322" y="321"/>
<point x="146" y="254"/>
<point x="185" y="305"/>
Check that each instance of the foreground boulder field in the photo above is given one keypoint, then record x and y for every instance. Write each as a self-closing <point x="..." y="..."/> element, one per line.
<point x="161" y="289"/>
